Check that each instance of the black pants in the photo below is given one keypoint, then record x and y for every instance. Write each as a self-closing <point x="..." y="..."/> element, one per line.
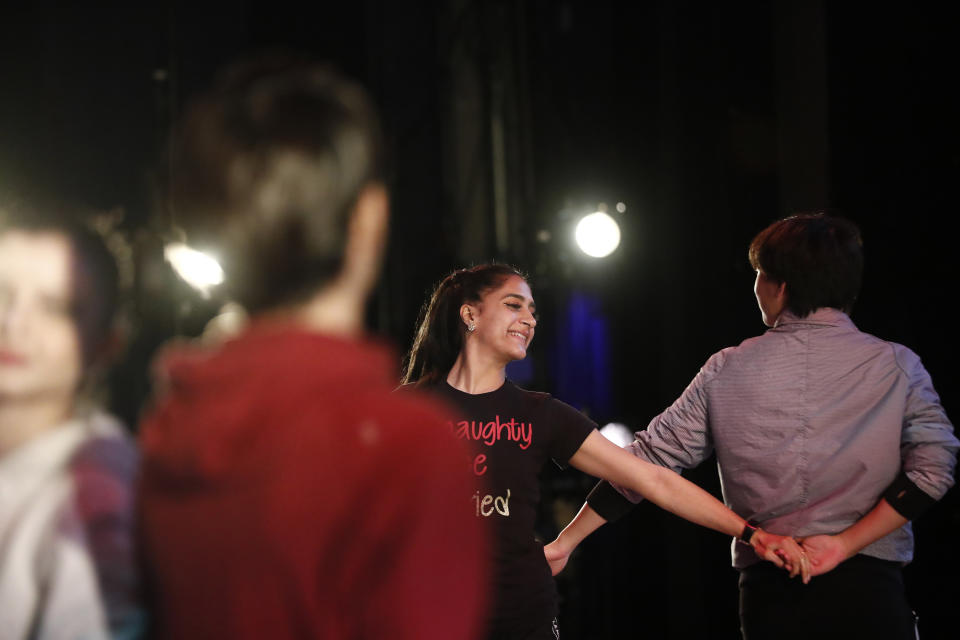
<point x="861" y="598"/>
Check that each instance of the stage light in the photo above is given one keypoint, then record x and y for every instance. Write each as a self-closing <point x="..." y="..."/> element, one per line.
<point x="617" y="433"/>
<point x="196" y="268"/>
<point x="597" y="234"/>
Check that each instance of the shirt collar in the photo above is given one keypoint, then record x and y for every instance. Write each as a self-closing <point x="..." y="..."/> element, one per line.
<point x="827" y="316"/>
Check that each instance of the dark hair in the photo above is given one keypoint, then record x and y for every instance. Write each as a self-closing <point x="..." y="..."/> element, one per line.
<point x="96" y="284"/>
<point x="819" y="257"/>
<point x="267" y="167"/>
<point x="440" y="333"/>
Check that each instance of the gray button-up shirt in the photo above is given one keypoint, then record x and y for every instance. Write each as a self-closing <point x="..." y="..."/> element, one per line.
<point x="811" y="422"/>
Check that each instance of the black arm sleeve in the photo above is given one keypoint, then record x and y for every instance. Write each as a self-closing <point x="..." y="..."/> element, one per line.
<point x="607" y="502"/>
<point x="905" y="497"/>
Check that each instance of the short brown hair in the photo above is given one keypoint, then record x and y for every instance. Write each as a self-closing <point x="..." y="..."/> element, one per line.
<point x="819" y="257"/>
<point x="267" y="167"/>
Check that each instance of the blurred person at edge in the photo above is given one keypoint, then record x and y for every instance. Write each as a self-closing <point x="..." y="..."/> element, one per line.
<point x="67" y="561"/>
<point x="286" y="492"/>
<point x="820" y="431"/>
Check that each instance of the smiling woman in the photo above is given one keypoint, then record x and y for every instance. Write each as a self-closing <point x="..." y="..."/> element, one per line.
<point x="476" y="322"/>
<point x="501" y="325"/>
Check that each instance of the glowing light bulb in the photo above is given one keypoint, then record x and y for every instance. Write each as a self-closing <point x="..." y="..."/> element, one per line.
<point x="197" y="269"/>
<point x="597" y="234"/>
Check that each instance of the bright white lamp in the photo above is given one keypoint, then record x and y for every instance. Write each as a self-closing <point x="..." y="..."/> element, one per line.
<point x="597" y="234"/>
<point x="196" y="268"/>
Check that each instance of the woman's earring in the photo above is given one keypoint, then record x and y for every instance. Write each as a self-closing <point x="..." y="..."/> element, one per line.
<point x="471" y="327"/>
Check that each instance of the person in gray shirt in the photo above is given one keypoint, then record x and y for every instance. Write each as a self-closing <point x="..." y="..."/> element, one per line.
<point x="821" y="432"/>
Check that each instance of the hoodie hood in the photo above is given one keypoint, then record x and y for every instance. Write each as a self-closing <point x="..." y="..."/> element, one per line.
<point x="215" y="407"/>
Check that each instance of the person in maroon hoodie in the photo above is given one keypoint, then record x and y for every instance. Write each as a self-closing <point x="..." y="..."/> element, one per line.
<point x="285" y="491"/>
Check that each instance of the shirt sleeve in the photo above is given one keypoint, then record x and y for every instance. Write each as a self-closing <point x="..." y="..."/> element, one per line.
<point x="679" y="438"/>
<point x="570" y="428"/>
<point x="928" y="446"/>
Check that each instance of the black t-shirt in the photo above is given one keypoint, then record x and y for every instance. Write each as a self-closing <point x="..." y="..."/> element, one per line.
<point x="512" y="432"/>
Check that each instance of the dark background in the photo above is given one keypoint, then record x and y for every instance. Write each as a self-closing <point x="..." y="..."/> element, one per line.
<point x="507" y="119"/>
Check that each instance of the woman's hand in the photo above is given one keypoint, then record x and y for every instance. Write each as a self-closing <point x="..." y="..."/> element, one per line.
<point x="556" y="555"/>
<point x="583" y="524"/>
<point x="782" y="551"/>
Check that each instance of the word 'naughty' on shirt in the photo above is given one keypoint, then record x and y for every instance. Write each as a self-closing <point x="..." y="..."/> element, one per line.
<point x="494" y="431"/>
<point x="490" y="433"/>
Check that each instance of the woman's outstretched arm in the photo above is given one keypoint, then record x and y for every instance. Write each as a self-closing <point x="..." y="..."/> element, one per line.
<point x="599" y="457"/>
